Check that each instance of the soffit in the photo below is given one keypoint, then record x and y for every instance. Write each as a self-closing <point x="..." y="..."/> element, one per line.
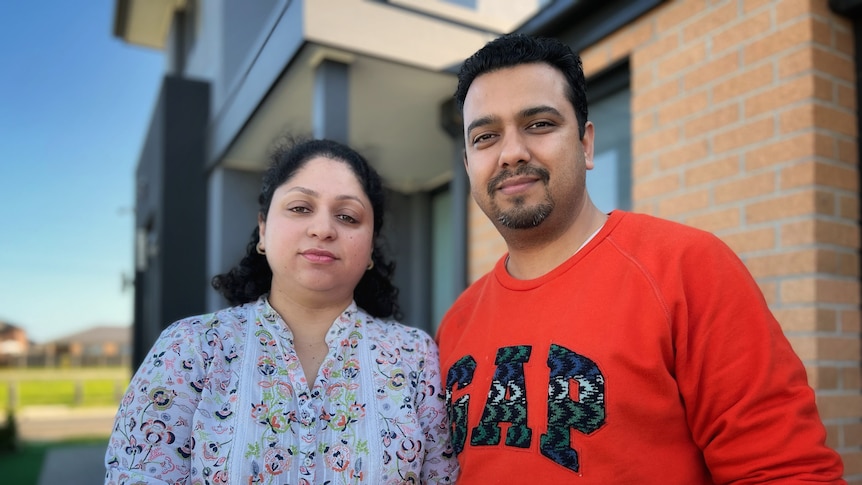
<point x="393" y="118"/>
<point x="145" y="22"/>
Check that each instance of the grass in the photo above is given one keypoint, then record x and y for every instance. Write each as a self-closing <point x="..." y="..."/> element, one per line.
<point x="78" y="387"/>
<point x="69" y="387"/>
<point x="23" y="465"/>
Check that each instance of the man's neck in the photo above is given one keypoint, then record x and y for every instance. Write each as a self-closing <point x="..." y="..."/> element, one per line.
<point x="531" y="255"/>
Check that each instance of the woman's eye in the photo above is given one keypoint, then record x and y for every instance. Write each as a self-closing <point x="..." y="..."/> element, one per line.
<point x="299" y="209"/>
<point x="346" y="218"/>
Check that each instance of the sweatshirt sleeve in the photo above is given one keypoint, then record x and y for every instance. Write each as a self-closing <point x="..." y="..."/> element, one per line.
<point x="151" y="438"/>
<point x="747" y="398"/>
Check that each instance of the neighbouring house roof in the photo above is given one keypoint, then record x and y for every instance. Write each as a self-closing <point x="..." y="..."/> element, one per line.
<point x="99" y="334"/>
<point x="8" y="328"/>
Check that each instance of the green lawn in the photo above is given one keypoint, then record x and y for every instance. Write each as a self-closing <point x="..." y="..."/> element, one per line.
<point x="23" y="465"/>
<point x="62" y="386"/>
<point x="70" y="387"/>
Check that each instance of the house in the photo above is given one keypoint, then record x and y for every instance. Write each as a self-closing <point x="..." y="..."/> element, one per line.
<point x="13" y="343"/>
<point x="99" y="345"/>
<point x="736" y="116"/>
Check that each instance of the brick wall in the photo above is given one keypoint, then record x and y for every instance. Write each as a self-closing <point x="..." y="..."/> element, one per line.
<point x="744" y="124"/>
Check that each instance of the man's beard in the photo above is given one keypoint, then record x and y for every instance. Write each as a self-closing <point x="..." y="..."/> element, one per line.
<point x="521" y="216"/>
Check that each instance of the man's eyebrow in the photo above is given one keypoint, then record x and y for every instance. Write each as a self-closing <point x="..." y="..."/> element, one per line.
<point x="537" y="110"/>
<point x="485" y="120"/>
<point x="526" y="113"/>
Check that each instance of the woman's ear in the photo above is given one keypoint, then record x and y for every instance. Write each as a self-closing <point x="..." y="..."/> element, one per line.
<point x="261" y="226"/>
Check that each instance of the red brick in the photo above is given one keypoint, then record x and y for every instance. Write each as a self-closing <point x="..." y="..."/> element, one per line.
<point x="683" y="154"/>
<point x="715" y="220"/>
<point x="715" y="19"/>
<point x="747" y="187"/>
<point x="818" y="231"/>
<point x="658" y="186"/>
<point x="680" y="204"/>
<point x="784" y="263"/>
<point x="811" y="172"/>
<point x="712" y="120"/>
<point x="803" y="203"/>
<point x="654" y="141"/>
<point x="712" y="171"/>
<point x="712" y="71"/>
<point x="818" y="116"/>
<point x="747" y="134"/>
<point x="839" y="406"/>
<point x="742" y="33"/>
<point x="788" y="36"/>
<point x="630" y="38"/>
<point x="749" y="240"/>
<point x="681" y="108"/>
<point x="820" y="291"/>
<point x="655" y="96"/>
<point x="676" y="13"/>
<point x="807" y="319"/>
<point x="848" y="207"/>
<point x="799" y="146"/>
<point x="788" y="93"/>
<point x="749" y="6"/>
<point x="652" y="51"/>
<point x="743" y="83"/>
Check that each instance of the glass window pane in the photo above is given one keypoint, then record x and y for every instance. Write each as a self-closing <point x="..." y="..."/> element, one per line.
<point x="442" y="291"/>
<point x="609" y="183"/>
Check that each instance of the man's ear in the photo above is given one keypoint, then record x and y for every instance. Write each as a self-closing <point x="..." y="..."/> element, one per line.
<point x="464" y="152"/>
<point x="588" y="142"/>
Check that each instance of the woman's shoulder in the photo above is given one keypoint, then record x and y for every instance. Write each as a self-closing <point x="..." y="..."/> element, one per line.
<point x="224" y="320"/>
<point x="396" y="333"/>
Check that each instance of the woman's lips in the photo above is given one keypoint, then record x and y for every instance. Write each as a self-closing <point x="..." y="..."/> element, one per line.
<point x="318" y="255"/>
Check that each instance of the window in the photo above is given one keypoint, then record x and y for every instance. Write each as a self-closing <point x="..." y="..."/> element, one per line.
<point x="443" y="293"/>
<point x="609" y="183"/>
<point x="471" y="4"/>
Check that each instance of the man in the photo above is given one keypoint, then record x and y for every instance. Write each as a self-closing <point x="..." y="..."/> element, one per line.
<point x="602" y="348"/>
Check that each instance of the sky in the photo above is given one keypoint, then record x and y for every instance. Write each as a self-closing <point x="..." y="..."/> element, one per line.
<point x="75" y="104"/>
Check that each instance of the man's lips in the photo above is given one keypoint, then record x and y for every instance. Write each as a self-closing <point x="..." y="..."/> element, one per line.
<point x="318" y="255"/>
<point x="516" y="184"/>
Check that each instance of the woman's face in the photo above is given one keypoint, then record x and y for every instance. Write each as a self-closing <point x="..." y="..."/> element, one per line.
<point x="319" y="232"/>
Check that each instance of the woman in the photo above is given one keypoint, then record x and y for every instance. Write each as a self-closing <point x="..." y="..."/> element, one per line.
<point x="305" y="380"/>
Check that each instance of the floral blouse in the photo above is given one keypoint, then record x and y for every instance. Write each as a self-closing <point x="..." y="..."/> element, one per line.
<point x="222" y="398"/>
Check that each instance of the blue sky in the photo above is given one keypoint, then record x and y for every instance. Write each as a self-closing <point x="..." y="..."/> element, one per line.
<point x="75" y="103"/>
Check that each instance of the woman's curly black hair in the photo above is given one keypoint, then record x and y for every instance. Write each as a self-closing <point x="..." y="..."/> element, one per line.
<point x="252" y="277"/>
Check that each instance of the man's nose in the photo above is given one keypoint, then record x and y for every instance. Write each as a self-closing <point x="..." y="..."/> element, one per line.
<point x="514" y="149"/>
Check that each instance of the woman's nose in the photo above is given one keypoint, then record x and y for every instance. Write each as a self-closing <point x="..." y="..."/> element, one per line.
<point x="322" y="226"/>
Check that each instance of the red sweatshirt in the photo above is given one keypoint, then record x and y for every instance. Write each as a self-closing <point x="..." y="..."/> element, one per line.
<point x="649" y="356"/>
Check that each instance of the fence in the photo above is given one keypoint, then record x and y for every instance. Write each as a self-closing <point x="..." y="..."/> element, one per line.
<point x="75" y="387"/>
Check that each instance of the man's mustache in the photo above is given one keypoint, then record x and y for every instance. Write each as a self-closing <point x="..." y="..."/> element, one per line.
<point x="541" y="173"/>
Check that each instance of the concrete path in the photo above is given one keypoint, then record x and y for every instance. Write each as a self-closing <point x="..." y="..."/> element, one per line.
<point x="55" y="423"/>
<point x="74" y="465"/>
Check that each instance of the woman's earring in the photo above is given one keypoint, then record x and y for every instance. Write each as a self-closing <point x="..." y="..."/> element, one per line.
<point x="370" y="265"/>
<point x="260" y="249"/>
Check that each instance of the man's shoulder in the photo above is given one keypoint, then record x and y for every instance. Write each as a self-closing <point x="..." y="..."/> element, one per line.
<point x="644" y="230"/>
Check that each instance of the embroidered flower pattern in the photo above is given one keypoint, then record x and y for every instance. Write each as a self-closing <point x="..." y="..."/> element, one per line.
<point x="223" y="399"/>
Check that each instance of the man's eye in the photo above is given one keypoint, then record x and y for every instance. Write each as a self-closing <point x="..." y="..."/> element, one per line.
<point x="540" y="124"/>
<point x="483" y="137"/>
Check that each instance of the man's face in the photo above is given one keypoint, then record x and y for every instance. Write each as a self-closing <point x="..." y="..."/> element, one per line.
<point x="523" y="153"/>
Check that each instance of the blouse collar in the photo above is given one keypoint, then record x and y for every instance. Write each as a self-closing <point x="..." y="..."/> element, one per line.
<point x="350" y="320"/>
